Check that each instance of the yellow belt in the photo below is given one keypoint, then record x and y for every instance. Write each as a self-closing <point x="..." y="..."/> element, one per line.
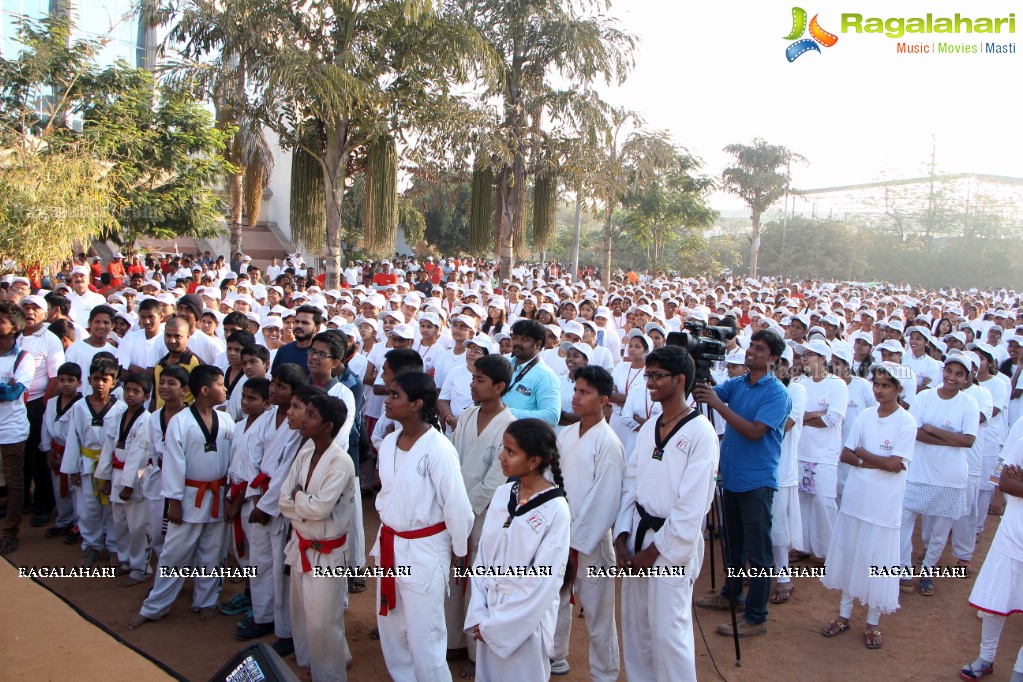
<point x="96" y="485"/>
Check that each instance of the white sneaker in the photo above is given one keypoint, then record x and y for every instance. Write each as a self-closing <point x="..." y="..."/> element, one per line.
<point x="559" y="667"/>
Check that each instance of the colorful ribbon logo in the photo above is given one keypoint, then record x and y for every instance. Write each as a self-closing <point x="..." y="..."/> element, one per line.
<point x="818" y="36"/>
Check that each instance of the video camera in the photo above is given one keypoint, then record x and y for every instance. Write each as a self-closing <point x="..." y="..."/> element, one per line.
<point x="705" y="343"/>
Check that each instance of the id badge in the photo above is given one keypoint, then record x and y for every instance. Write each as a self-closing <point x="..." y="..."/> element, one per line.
<point x="525" y="391"/>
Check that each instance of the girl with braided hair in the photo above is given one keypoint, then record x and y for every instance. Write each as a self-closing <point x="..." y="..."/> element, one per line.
<point x="521" y="562"/>
<point x="426" y="518"/>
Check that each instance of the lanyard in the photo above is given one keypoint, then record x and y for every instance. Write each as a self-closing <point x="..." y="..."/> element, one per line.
<point x="524" y="371"/>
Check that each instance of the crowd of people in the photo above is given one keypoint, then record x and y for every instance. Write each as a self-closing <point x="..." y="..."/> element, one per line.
<point x="525" y="441"/>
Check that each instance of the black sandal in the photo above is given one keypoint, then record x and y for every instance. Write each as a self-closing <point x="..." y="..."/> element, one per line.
<point x="8" y="545"/>
<point x="356" y="585"/>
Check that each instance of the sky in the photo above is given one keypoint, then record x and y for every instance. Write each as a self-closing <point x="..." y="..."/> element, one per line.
<point x="715" y="73"/>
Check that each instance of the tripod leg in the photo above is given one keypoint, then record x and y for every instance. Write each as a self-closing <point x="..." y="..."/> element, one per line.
<point x="719" y="502"/>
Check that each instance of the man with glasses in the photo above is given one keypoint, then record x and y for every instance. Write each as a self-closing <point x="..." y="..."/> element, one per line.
<point x="754" y="407"/>
<point x="667" y="491"/>
<point x="535" y="390"/>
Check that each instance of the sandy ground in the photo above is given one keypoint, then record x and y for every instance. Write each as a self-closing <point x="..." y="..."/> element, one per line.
<point x="928" y="639"/>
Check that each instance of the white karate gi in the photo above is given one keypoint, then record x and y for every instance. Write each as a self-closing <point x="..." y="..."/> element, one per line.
<point x="321" y="510"/>
<point x="81" y="454"/>
<point x="482" y="475"/>
<point x="593" y="466"/>
<point x="246" y="449"/>
<point x="413" y="633"/>
<point x="517" y="615"/>
<point x="130" y="518"/>
<point x="657" y="625"/>
<point x="54" y="436"/>
<point x="269" y="588"/>
<point x="152" y="481"/>
<point x="200" y="540"/>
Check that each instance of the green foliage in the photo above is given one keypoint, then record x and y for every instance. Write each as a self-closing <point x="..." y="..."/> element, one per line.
<point x="140" y="159"/>
<point x="443" y="200"/>
<point x="164" y="153"/>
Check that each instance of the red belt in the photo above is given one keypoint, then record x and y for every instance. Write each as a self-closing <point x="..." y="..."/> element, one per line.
<point x="233" y="490"/>
<point x="321" y="546"/>
<point x="388" y="588"/>
<point x="213" y="486"/>
<point x="118" y="464"/>
<point x="262" y="482"/>
<point x="65" y="485"/>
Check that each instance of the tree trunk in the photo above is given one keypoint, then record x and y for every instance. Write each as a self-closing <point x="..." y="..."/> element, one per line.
<point x="335" y="163"/>
<point x="754" y="247"/>
<point x="608" y="238"/>
<point x="578" y="230"/>
<point x="236" y="193"/>
<point x="511" y="203"/>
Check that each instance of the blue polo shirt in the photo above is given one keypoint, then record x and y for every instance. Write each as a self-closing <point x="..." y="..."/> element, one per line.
<point x="751" y="464"/>
<point x="537" y="395"/>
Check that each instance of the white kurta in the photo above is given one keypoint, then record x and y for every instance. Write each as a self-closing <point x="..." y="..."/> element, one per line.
<point x="431" y="469"/>
<point x="516" y="615"/>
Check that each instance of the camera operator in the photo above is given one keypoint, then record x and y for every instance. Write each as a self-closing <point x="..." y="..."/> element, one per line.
<point x="755" y="407"/>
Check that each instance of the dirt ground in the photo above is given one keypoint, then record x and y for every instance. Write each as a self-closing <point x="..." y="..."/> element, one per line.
<point x="928" y="639"/>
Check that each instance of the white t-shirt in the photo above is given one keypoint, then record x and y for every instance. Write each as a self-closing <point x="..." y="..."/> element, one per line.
<point x="939" y="464"/>
<point x="976" y="452"/>
<point x="48" y="352"/>
<point x="824" y="444"/>
<point x="82" y="353"/>
<point x="998" y="425"/>
<point x="551" y="358"/>
<point x="861" y="396"/>
<point x="13" y="413"/>
<point x="871" y="494"/>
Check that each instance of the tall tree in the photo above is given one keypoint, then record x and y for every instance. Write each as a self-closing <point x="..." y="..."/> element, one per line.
<point x="669" y="206"/>
<point x="759" y="176"/>
<point x="362" y="71"/>
<point x="550" y="50"/>
<point x="208" y="55"/>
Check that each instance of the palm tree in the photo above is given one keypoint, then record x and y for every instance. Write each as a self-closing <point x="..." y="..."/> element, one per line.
<point x="759" y="177"/>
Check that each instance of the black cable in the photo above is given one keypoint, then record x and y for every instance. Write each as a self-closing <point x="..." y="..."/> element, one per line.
<point x="120" y="640"/>
<point x="709" y="652"/>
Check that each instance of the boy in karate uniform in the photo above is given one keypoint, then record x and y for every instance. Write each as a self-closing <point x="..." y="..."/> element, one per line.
<point x="56" y="422"/>
<point x="90" y="420"/>
<point x="668" y="488"/>
<point x="125" y="455"/>
<point x="593" y="465"/>
<point x="198" y="453"/>
<point x="246" y="448"/>
<point x="171" y="389"/>
<point x="267" y="528"/>
<point x="318" y="498"/>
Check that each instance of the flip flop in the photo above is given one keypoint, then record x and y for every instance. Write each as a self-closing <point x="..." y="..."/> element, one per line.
<point x="835" y="627"/>
<point x="782" y="596"/>
<point x="872" y="638"/>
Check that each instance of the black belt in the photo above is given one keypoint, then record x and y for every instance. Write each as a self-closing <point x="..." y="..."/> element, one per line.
<point x="646" y="522"/>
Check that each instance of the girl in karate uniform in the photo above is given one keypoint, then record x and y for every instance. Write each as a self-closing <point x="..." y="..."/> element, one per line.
<point x="425" y="518"/>
<point x="527" y="527"/>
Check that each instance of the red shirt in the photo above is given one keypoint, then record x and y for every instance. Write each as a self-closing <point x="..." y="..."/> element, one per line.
<point x="382" y="279"/>
<point x="116" y="270"/>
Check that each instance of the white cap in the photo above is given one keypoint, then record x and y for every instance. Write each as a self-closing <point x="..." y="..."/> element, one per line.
<point x="962" y="358"/>
<point x="369" y="321"/>
<point x="36" y="300"/>
<point x="432" y="318"/>
<point x="412" y="300"/>
<point x="404" y="331"/>
<point x="843" y="352"/>
<point x="467" y="320"/>
<point x="482" y="341"/>
<point x="900" y="373"/>
<point x="603" y="311"/>
<point x="818" y="346"/>
<point x="583" y="348"/>
<point x="573" y="327"/>
<point x="273" y="321"/>
<point x="736" y="357"/>
<point x="891" y="345"/>
<point x="396" y="314"/>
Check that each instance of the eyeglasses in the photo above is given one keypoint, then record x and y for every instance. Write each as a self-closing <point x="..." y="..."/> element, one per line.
<point x="320" y="354"/>
<point x="656" y="376"/>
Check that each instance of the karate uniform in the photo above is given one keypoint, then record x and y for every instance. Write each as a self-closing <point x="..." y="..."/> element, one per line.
<point x="81" y="455"/>
<point x="517" y="615"/>
<point x="657" y="626"/>
<point x="194" y="472"/>
<point x="152" y="484"/>
<point x="269" y="588"/>
<point x="321" y="512"/>
<point x="482" y="475"/>
<point x="246" y="450"/>
<point x="123" y="462"/>
<point x="413" y="632"/>
<point x="53" y="438"/>
<point x="593" y="466"/>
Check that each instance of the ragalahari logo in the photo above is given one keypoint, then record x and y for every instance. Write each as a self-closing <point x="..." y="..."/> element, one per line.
<point x="802" y="45"/>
